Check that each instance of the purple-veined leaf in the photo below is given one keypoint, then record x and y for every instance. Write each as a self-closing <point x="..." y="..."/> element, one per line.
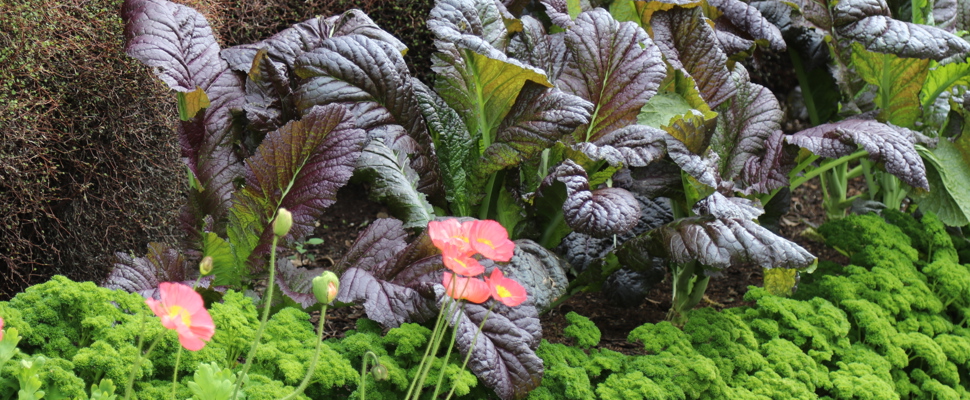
<point x="178" y="44"/>
<point x="452" y="19"/>
<point x="613" y="65"/>
<point x="453" y="144"/>
<point x="539" y="271"/>
<point x="631" y="146"/>
<point x="769" y="171"/>
<point x="600" y="212"/>
<point x="539" y="118"/>
<point x="299" y="167"/>
<point x="885" y="143"/>
<point x="536" y="47"/>
<point x="899" y="81"/>
<point x="558" y="12"/>
<point x="143" y="274"/>
<point x="296" y="283"/>
<point x="747" y="120"/>
<point x="290" y="43"/>
<point x="387" y="303"/>
<point x="376" y="248"/>
<point x="883" y="34"/>
<point x="394" y="183"/>
<point x="749" y="20"/>
<point x="813" y="14"/>
<point x="703" y="168"/>
<point x="731" y="42"/>
<point x="661" y="178"/>
<point x="503" y="355"/>
<point x="951" y="15"/>
<point x="849" y="11"/>
<point x="688" y="42"/>
<point x="268" y="100"/>
<point x="372" y="77"/>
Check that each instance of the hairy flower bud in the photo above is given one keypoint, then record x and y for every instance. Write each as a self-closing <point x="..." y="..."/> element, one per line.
<point x="380" y="372"/>
<point x="326" y="286"/>
<point x="205" y="266"/>
<point x="283" y="223"/>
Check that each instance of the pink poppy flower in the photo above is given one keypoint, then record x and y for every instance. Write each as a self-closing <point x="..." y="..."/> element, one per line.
<point x="505" y="290"/>
<point x="450" y="232"/>
<point x="471" y="289"/>
<point x="460" y="263"/>
<point x="183" y="310"/>
<point x="490" y="238"/>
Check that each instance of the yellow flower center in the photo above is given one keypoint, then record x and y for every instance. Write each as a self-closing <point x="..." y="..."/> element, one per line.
<point x="486" y="242"/>
<point x="178" y="311"/>
<point x="503" y="292"/>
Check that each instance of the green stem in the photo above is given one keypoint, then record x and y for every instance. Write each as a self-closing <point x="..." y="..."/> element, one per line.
<point x="175" y="375"/>
<point x="439" y="334"/>
<point x="267" y="303"/>
<point x="472" y="347"/>
<point x="313" y="361"/>
<point x="827" y="165"/>
<point x="427" y="352"/>
<point x="806" y="86"/>
<point x="485" y="208"/>
<point x="444" y="363"/>
<point x="689" y="286"/>
<point x="550" y="231"/>
<point x="363" y="373"/>
<point x="138" y="361"/>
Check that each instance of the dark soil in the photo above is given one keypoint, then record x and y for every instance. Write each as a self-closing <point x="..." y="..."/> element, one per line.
<point x="352" y="211"/>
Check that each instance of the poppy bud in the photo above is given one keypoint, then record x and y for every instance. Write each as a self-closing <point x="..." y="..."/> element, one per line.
<point x="325" y="287"/>
<point x="380" y="372"/>
<point x="283" y="223"/>
<point x="205" y="266"/>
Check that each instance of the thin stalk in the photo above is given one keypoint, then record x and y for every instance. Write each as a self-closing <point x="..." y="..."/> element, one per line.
<point x="175" y="375"/>
<point x="550" y="230"/>
<point x="472" y="347"/>
<point x="827" y="165"/>
<point x="138" y="361"/>
<point x="363" y="373"/>
<point x="444" y="363"/>
<point x="485" y="209"/>
<point x="426" y="365"/>
<point x="427" y="351"/>
<point x="268" y="302"/>
<point x="806" y="86"/>
<point x="313" y="361"/>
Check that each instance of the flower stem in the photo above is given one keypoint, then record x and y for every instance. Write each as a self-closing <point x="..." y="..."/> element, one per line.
<point x="268" y="302"/>
<point x="471" y="348"/>
<point x="363" y="373"/>
<point x="138" y="361"/>
<point x="175" y="375"/>
<point x="313" y="361"/>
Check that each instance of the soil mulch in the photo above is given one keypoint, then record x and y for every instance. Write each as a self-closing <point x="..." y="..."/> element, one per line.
<point x="352" y="212"/>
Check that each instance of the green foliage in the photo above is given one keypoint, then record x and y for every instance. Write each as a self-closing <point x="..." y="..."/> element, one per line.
<point x="582" y="330"/>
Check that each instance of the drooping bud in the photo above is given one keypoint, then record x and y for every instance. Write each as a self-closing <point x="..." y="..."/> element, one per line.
<point x="380" y="372"/>
<point x="205" y="266"/>
<point x="283" y="223"/>
<point x="326" y="286"/>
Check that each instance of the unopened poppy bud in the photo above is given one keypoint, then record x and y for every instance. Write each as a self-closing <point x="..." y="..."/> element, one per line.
<point x="283" y="223"/>
<point x="326" y="286"/>
<point x="205" y="266"/>
<point x="380" y="372"/>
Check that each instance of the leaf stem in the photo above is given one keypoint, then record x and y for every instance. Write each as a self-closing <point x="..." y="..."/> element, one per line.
<point x="827" y="165"/>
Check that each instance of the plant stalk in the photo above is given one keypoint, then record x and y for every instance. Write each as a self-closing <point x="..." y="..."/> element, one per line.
<point x="268" y="302"/>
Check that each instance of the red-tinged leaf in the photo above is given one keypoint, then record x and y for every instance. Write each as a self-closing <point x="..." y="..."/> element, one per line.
<point x="451" y="19"/>
<point x="538" y="48"/>
<point x="387" y="303"/>
<point x="631" y="146"/>
<point x="299" y="167"/>
<point x="749" y="20"/>
<point x="376" y="248"/>
<point x="143" y="274"/>
<point x="600" y="212"/>
<point x="615" y="66"/>
<point x="899" y="81"/>
<point x="688" y="42"/>
<point x="891" y="145"/>
<point x="296" y="283"/>
<point x="883" y="34"/>
<point x="951" y="15"/>
<point x="747" y="120"/>
<point x="769" y="171"/>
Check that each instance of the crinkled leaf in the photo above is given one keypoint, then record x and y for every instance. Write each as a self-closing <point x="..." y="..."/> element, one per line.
<point x="659" y="179"/>
<point x="677" y="98"/>
<point x="688" y="42"/>
<point x="899" y="81"/>
<point x="300" y="167"/>
<point x="451" y="19"/>
<point x="781" y="281"/>
<point x="177" y="43"/>
<point x="951" y="15"/>
<point x="747" y="120"/>
<point x="296" y="283"/>
<point x="694" y="130"/>
<point x="480" y="83"/>
<point x="539" y="118"/>
<point x="558" y="12"/>
<point x="268" y="100"/>
<point x="615" y="66"/>
<point x="723" y="234"/>
<point x="143" y="274"/>
<point x="749" y="20"/>
<point x="387" y="303"/>
<point x="503" y="355"/>
<point x="537" y="48"/>
<point x="885" y="143"/>
<point x="641" y="11"/>
<point x="769" y="171"/>
<point x="632" y="146"/>
<point x="452" y="146"/>
<point x="943" y="78"/>
<point x="883" y="34"/>
<point x="949" y="178"/>
<point x="849" y="11"/>
<point x="702" y="168"/>
<point x="600" y="212"/>
<point x="376" y="248"/>
<point x="814" y="14"/>
<point x="394" y="183"/>
<point x="373" y="77"/>
<point x="290" y="43"/>
<point x="540" y="272"/>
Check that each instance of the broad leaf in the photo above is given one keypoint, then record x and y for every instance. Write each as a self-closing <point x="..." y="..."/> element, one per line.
<point x="268" y="100"/>
<point x="177" y="43"/>
<point x="394" y="183"/>
<point x="503" y="355"/>
<point x="747" y="120"/>
<point x="949" y="178"/>
<point x="899" y="81"/>
<point x="296" y="283"/>
<point x="540" y="271"/>
<point x="290" y="43"/>
<point x="951" y="15"/>
<point x="883" y="34"/>
<point x="143" y="274"/>
<point x="750" y="21"/>
<point x="300" y="167"/>
<point x="600" y="212"/>
<point x="770" y="170"/>
<point x="888" y="144"/>
<point x="615" y="66"/>
<point x="537" y="48"/>
<point x="387" y="303"/>
<point x="451" y="19"/>
<point x="373" y="78"/>
<point x="453" y="145"/>
<point x="632" y="146"/>
<point x="943" y="78"/>
<point x="376" y="248"/>
<point x="688" y="42"/>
